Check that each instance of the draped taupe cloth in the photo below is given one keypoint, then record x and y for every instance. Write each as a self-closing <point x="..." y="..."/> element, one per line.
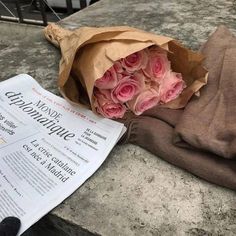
<point x="201" y="138"/>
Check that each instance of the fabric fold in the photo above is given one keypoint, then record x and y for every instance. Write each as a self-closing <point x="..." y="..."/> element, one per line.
<point x="209" y="123"/>
<point x="203" y="164"/>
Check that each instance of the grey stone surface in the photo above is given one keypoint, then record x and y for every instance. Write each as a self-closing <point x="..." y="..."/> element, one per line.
<point x="190" y="21"/>
<point x="134" y="192"/>
<point x="23" y="49"/>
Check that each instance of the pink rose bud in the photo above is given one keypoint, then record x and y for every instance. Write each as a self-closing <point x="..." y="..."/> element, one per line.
<point x="121" y="72"/>
<point x="172" y="85"/>
<point x="108" y="80"/>
<point x="158" y="64"/>
<point x="128" y="87"/>
<point x="106" y="107"/>
<point x="135" y="61"/>
<point x="144" y="101"/>
<point x="118" y="67"/>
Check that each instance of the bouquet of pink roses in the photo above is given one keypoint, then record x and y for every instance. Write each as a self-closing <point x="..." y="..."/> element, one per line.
<point x="116" y="69"/>
<point x="138" y="82"/>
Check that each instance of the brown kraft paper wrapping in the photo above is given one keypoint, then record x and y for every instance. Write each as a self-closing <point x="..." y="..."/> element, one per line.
<point x="88" y="52"/>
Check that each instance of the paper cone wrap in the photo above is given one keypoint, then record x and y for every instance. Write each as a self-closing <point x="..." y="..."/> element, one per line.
<point x="87" y="53"/>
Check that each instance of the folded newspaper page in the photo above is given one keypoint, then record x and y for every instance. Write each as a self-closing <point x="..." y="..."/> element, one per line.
<point x="48" y="148"/>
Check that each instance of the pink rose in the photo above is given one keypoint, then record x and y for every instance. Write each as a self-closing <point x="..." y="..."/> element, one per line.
<point x="135" y="61"/>
<point x="172" y="85"/>
<point x="158" y="64"/>
<point x="144" y="101"/>
<point x="106" y="107"/>
<point x="108" y="80"/>
<point x="128" y="87"/>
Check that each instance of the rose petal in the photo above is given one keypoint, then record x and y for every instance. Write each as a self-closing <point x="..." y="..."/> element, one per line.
<point x="108" y="80"/>
<point x="158" y="64"/>
<point x="106" y="107"/>
<point x="144" y="101"/>
<point x="128" y="87"/>
<point x="171" y="87"/>
<point x="135" y="61"/>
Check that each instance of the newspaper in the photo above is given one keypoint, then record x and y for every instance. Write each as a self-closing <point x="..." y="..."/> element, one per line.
<point x="48" y="148"/>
